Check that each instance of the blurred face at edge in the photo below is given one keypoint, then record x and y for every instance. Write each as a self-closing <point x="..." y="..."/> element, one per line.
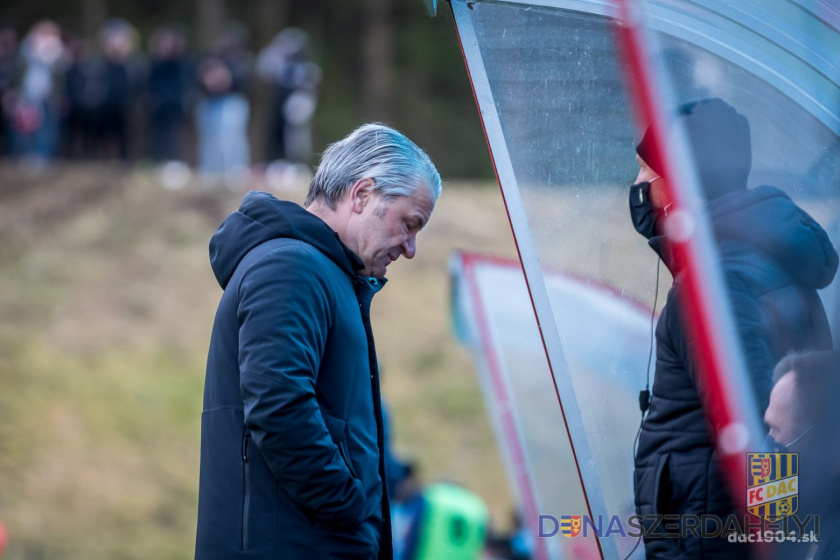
<point x="648" y="201"/>
<point x="783" y="416"/>
<point x="657" y="189"/>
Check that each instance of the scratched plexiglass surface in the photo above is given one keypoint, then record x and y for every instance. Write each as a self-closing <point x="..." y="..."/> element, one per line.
<point x="495" y="319"/>
<point x="564" y="115"/>
<point x="564" y="142"/>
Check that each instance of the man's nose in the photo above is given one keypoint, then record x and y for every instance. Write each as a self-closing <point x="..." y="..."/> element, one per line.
<point x="409" y="248"/>
<point x="639" y="177"/>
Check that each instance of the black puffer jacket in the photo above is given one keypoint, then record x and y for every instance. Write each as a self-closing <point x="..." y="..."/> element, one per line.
<point x="774" y="257"/>
<point x="292" y="438"/>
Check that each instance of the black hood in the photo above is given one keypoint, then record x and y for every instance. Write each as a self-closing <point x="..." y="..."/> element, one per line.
<point x="768" y="221"/>
<point x="262" y="217"/>
<point x="721" y="145"/>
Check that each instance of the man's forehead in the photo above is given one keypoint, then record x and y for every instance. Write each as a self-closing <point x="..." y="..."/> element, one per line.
<point x="420" y="201"/>
<point x="783" y="390"/>
<point x="424" y="193"/>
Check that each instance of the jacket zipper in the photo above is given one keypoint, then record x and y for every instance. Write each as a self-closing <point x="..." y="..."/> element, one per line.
<point x="246" y="441"/>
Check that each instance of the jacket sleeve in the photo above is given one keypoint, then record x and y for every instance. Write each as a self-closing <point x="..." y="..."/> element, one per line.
<point x="284" y="317"/>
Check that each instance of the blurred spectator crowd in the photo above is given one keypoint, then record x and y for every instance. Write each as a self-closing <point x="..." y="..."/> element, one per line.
<point x="67" y="97"/>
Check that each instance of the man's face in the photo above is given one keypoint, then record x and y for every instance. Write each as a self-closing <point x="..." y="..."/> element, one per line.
<point x="657" y="184"/>
<point x="382" y="229"/>
<point x="783" y="415"/>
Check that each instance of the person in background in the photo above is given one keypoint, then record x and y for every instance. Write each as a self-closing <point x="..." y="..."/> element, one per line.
<point x="77" y="118"/>
<point x="774" y="257"/>
<point x="35" y="105"/>
<point x="292" y="433"/>
<point x="75" y="137"/>
<point x="168" y="92"/>
<point x="802" y="418"/>
<point x="100" y="88"/>
<point x="397" y="471"/>
<point x="287" y="65"/>
<point x="222" y="113"/>
<point x="9" y="70"/>
<point x="119" y="80"/>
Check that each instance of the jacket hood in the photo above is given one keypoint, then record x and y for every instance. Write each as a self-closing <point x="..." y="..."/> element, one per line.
<point x="768" y="221"/>
<point x="721" y="145"/>
<point x="262" y="217"/>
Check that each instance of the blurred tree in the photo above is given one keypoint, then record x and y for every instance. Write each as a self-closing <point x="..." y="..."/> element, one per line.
<point x="210" y="17"/>
<point x="94" y="14"/>
<point x="274" y="16"/>
<point x="378" y="64"/>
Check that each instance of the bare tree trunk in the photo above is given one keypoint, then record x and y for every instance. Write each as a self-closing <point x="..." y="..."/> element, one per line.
<point x="210" y="18"/>
<point x="94" y="14"/>
<point x="272" y="16"/>
<point x="378" y="64"/>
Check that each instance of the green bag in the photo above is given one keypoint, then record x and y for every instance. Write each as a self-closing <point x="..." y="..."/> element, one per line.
<point x="453" y="524"/>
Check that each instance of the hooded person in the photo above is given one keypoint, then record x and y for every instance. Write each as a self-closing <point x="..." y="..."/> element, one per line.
<point x="774" y="257"/>
<point x="293" y="461"/>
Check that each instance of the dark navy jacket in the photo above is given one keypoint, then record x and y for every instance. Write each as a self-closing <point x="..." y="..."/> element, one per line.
<point x="774" y="257"/>
<point x="291" y="433"/>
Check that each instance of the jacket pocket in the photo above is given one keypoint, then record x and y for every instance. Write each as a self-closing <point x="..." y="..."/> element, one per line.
<point x="338" y="432"/>
<point x="345" y="454"/>
<point x="662" y="486"/>
<point x="246" y="486"/>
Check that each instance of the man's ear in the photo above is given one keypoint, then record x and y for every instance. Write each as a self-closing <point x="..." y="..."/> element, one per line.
<point x="361" y="194"/>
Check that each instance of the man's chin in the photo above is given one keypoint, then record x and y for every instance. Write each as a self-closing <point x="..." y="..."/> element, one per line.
<point x="377" y="272"/>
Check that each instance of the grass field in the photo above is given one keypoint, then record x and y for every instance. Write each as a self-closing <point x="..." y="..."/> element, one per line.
<point x="107" y="300"/>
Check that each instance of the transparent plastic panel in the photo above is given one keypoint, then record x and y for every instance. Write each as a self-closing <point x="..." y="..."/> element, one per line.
<point x="522" y="402"/>
<point x="745" y="226"/>
<point x="569" y="128"/>
<point x="566" y="122"/>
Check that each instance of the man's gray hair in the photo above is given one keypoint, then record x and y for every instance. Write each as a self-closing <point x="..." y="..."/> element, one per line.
<point x="373" y="151"/>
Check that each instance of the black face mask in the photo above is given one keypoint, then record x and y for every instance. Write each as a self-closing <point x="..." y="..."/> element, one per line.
<point x="777" y="447"/>
<point x="641" y="211"/>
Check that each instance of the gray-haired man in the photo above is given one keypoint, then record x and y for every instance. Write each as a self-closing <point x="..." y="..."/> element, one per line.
<point x="292" y="437"/>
